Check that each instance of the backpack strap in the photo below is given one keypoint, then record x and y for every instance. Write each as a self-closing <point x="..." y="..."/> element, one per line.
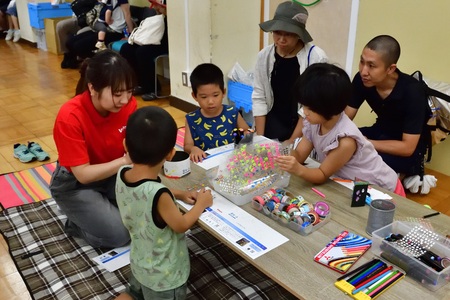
<point x="309" y="53"/>
<point x="427" y="135"/>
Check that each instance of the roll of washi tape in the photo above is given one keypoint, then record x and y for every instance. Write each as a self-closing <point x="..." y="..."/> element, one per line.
<point x="275" y="199"/>
<point x="296" y="217"/>
<point x="258" y="202"/>
<point x="280" y="191"/>
<point x="277" y="208"/>
<point x="309" y="205"/>
<point x="306" y="218"/>
<point x="284" y="217"/>
<point x="301" y="200"/>
<point x="445" y="262"/>
<point x="294" y="201"/>
<point x="322" y="209"/>
<point x="304" y="208"/>
<point x="314" y="217"/>
<point x="268" y="207"/>
<point x="291" y="208"/>
<point x="285" y="199"/>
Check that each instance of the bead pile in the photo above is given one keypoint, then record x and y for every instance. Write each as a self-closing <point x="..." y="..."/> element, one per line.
<point x="291" y="210"/>
<point x="250" y="169"/>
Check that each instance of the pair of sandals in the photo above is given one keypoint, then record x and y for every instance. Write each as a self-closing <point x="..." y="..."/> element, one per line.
<point x="30" y="153"/>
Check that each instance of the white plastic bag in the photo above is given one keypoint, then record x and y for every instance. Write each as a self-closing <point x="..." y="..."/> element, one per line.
<point x="149" y="32"/>
<point x="238" y="74"/>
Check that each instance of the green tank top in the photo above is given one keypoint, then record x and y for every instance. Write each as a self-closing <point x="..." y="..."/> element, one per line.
<point x="159" y="257"/>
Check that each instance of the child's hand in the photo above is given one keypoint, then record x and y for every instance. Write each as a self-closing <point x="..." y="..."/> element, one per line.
<point x="204" y="198"/>
<point x="197" y="154"/>
<point x="288" y="163"/>
<point x="188" y="197"/>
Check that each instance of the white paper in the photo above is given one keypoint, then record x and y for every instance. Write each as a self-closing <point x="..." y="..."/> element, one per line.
<point x="374" y="193"/>
<point x="114" y="259"/>
<point x="248" y="234"/>
<point x="216" y="156"/>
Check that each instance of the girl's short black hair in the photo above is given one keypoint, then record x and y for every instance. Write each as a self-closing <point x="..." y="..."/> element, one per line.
<point x="323" y="88"/>
<point x="150" y="135"/>
<point x="107" y="69"/>
<point x="204" y="74"/>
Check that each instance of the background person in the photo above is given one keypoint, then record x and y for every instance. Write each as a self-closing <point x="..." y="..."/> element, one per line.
<point x="142" y="58"/>
<point x="83" y="44"/>
<point x="102" y="23"/>
<point x="399" y="133"/>
<point x="277" y="67"/>
<point x="13" y="22"/>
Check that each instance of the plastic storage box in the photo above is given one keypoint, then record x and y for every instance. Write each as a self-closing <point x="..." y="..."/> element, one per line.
<point x="240" y="94"/>
<point x="398" y="255"/>
<point x="287" y="200"/>
<point x="40" y="11"/>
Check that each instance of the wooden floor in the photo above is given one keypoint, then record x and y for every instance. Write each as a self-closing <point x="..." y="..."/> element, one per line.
<point x="32" y="89"/>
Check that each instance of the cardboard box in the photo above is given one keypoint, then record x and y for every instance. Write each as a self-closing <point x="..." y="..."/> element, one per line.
<point x="50" y="34"/>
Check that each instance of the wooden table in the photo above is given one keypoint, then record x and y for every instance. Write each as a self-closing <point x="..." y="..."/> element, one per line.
<point x="292" y="264"/>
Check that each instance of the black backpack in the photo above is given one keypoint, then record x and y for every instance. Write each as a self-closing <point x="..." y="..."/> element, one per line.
<point x="80" y="8"/>
<point x="438" y="97"/>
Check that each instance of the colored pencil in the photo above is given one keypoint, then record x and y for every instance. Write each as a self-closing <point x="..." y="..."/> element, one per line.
<point x="372" y="282"/>
<point x="386" y="285"/>
<point x="383" y="280"/>
<point x="378" y="275"/>
<point x="360" y="268"/>
<point x="363" y="274"/>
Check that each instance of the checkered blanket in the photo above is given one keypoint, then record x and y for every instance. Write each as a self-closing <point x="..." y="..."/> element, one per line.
<point x="61" y="267"/>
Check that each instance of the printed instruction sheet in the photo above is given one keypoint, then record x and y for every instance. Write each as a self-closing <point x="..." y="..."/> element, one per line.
<point x="114" y="259"/>
<point x="248" y="234"/>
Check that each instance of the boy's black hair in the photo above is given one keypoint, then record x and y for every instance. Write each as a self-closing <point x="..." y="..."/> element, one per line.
<point x="387" y="46"/>
<point x="206" y="73"/>
<point x="324" y="89"/>
<point x="150" y="135"/>
<point x="106" y="69"/>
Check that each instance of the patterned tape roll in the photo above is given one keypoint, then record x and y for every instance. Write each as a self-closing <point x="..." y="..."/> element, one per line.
<point x="314" y="217"/>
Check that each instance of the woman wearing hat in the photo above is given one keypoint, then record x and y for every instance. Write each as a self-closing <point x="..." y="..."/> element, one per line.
<point x="277" y="67"/>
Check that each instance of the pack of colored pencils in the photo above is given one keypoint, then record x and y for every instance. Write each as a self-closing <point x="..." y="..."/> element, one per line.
<point x="369" y="281"/>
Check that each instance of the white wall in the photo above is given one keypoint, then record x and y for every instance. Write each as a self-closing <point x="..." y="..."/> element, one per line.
<point x="221" y="32"/>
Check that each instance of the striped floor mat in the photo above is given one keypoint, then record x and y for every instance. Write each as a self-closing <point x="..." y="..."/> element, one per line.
<point x="26" y="186"/>
<point x="180" y="139"/>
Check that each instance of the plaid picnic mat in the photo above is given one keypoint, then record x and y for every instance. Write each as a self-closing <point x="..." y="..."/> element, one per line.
<point x="64" y="269"/>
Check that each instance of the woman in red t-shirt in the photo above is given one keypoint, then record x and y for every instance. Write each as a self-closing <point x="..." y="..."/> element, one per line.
<point x="89" y="132"/>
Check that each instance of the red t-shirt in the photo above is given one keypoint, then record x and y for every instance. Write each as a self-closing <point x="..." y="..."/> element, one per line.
<point x="83" y="136"/>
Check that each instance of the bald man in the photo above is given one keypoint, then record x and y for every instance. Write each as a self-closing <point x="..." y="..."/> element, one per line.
<point x="399" y="134"/>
